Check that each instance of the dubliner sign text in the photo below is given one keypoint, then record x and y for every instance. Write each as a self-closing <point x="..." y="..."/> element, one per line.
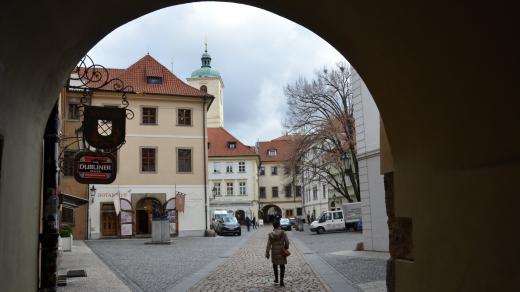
<point x="95" y="168"/>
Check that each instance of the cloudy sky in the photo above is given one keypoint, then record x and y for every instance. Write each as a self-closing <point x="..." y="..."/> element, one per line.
<point x="256" y="52"/>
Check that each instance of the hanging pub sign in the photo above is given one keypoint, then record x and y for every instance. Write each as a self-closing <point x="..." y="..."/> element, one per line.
<point x="104" y="127"/>
<point x="95" y="168"/>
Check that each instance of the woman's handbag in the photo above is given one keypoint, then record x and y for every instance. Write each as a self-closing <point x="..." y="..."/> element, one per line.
<point x="285" y="251"/>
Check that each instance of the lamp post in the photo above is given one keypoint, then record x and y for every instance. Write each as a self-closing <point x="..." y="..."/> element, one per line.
<point x="92" y="192"/>
<point x="347" y="160"/>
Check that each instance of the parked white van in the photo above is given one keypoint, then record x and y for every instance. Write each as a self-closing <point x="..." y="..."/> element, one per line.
<point x="335" y="220"/>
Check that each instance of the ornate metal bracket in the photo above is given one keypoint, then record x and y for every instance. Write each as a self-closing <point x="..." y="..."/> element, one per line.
<point x="102" y="128"/>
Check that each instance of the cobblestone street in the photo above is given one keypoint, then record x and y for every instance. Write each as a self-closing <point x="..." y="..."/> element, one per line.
<point x="249" y="270"/>
<point x="160" y="267"/>
<point x="366" y="271"/>
<point x="323" y="262"/>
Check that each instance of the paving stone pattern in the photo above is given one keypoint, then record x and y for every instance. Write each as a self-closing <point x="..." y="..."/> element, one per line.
<point x="159" y="267"/>
<point x="362" y="271"/>
<point x="249" y="270"/>
<point x="357" y="269"/>
<point x="99" y="276"/>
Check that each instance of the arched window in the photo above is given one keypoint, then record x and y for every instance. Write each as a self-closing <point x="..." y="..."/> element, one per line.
<point x="204" y="88"/>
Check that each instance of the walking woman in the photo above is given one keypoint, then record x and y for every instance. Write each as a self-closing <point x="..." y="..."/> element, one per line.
<point x="277" y="242"/>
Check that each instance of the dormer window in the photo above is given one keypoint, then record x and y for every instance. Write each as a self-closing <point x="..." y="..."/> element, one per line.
<point x="271" y="152"/>
<point x="232" y="145"/>
<point x="153" y="80"/>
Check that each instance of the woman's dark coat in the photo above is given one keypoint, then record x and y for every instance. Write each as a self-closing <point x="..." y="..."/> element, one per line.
<point x="276" y="242"/>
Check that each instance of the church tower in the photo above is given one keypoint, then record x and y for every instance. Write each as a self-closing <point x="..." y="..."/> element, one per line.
<point x="208" y="79"/>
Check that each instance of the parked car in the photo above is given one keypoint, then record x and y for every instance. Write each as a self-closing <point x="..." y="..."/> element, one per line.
<point x="285" y="224"/>
<point x="228" y="225"/>
<point x="217" y="215"/>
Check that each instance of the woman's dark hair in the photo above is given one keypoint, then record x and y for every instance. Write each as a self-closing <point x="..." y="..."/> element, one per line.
<point x="276" y="223"/>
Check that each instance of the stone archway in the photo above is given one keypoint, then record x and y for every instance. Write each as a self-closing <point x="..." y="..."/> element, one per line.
<point x="427" y="79"/>
<point x="146" y="210"/>
<point x="270" y="212"/>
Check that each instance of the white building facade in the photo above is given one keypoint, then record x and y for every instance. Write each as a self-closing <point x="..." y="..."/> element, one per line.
<point x="375" y="226"/>
<point x="233" y="175"/>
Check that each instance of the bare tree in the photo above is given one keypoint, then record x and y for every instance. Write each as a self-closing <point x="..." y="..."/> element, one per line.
<point x="321" y="111"/>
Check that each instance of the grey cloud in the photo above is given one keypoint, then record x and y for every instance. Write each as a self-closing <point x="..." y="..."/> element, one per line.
<point x="256" y="52"/>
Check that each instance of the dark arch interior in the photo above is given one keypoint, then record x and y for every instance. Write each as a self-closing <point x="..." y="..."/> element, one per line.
<point x="146" y="210"/>
<point x="443" y="74"/>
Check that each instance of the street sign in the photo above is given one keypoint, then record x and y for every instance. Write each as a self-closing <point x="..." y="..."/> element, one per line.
<point x="95" y="168"/>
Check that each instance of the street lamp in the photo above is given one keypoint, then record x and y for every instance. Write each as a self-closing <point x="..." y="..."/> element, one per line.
<point x="346" y="159"/>
<point x="92" y="192"/>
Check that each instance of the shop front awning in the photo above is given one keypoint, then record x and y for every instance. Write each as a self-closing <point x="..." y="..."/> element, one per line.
<point x="72" y="201"/>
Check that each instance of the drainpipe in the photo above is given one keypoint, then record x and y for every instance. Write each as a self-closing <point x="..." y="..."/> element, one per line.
<point x="51" y="218"/>
<point x="205" y="165"/>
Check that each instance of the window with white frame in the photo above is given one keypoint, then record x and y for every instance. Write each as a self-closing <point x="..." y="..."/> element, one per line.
<point x="73" y="111"/>
<point x="315" y="193"/>
<point x="241" y="166"/>
<point x="216" y="167"/>
<point x="262" y="193"/>
<point x="271" y="152"/>
<point x="274" y="192"/>
<point x="242" y="188"/>
<point x="216" y="189"/>
<point x="184" y="160"/>
<point x="229" y="168"/>
<point x="261" y="171"/>
<point x="324" y="191"/>
<point x="274" y="170"/>
<point x="229" y="188"/>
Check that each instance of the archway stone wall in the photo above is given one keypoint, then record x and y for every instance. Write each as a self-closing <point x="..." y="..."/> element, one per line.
<point x="444" y="76"/>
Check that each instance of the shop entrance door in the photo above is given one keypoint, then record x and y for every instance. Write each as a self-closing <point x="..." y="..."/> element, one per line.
<point x="146" y="210"/>
<point x="109" y="224"/>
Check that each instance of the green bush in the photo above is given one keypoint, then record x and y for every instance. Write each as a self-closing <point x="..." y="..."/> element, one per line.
<point x="66" y="231"/>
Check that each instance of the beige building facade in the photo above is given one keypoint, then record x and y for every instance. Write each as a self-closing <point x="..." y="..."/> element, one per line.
<point x="280" y="189"/>
<point x="164" y="156"/>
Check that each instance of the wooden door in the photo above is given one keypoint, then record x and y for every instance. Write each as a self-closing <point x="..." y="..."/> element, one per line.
<point x="109" y="223"/>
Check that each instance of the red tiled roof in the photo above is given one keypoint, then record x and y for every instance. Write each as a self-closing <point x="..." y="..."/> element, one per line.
<point x="218" y="139"/>
<point x="288" y="138"/>
<point x="136" y="76"/>
<point x="284" y="146"/>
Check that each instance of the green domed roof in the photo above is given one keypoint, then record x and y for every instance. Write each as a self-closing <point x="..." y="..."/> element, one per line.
<point x="205" y="70"/>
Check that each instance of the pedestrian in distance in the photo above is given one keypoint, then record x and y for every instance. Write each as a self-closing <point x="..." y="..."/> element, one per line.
<point x="278" y="246"/>
<point x="248" y="223"/>
<point x="254" y="222"/>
